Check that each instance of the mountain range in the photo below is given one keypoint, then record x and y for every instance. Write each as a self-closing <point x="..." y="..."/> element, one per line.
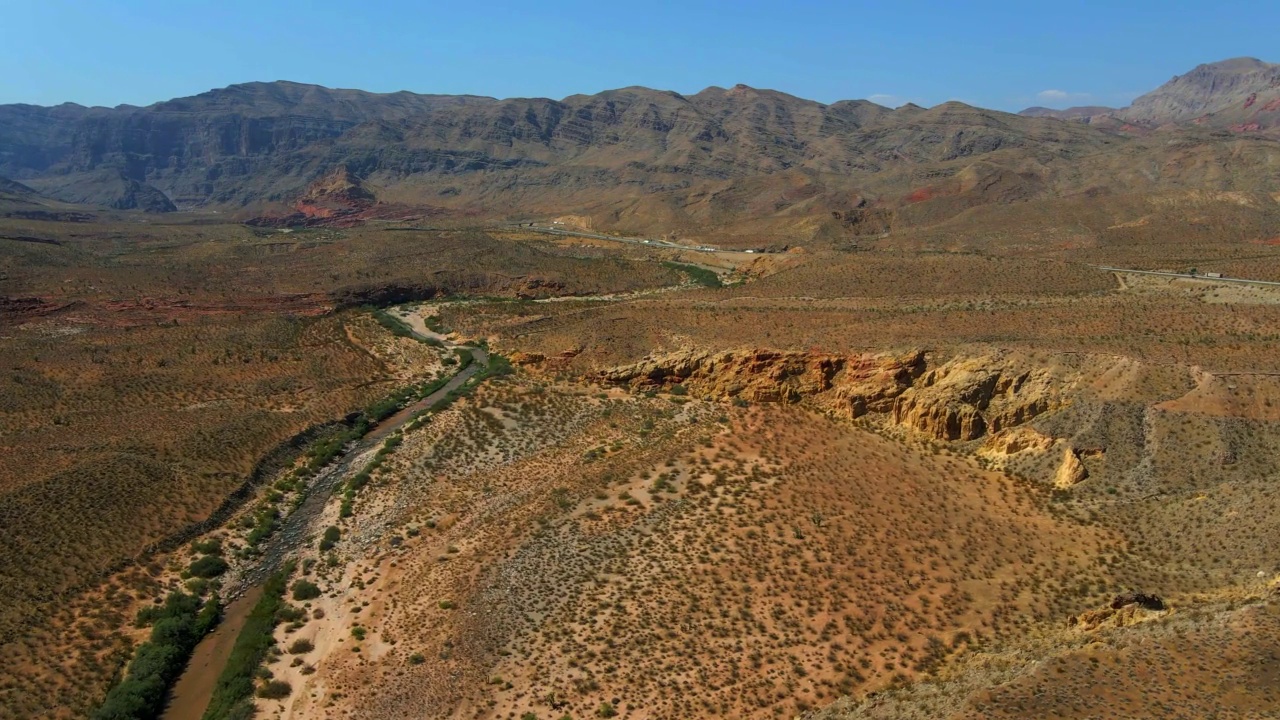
<point x="722" y="160"/>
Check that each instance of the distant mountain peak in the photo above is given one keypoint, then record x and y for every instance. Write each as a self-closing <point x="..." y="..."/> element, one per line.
<point x="1239" y="64"/>
<point x="1071" y="113"/>
<point x="1240" y="94"/>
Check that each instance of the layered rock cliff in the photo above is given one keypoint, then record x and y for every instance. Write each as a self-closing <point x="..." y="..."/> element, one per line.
<point x="959" y="399"/>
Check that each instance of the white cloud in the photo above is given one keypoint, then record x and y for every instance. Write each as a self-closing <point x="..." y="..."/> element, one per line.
<point x="1062" y="96"/>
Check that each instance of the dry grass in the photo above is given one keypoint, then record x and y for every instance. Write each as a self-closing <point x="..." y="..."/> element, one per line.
<point x="774" y="560"/>
<point x="671" y="557"/>
<point x="1216" y="660"/>
<point x="153" y="365"/>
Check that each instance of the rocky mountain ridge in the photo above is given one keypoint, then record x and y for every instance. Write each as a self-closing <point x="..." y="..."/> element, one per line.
<point x="1240" y="95"/>
<point x="1071" y="113"/>
<point x="734" y="160"/>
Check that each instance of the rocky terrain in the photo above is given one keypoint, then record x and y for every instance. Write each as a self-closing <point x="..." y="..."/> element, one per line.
<point x="1241" y="94"/>
<point x="964" y="399"/>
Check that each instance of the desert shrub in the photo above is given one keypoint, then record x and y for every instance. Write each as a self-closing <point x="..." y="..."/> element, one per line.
<point x="275" y="690"/>
<point x="701" y="276"/>
<point x="606" y="710"/>
<point x="177" y="626"/>
<point x="499" y="366"/>
<point x="417" y="659"/>
<point x="233" y="692"/>
<point x="212" y="546"/>
<point x="290" y="613"/>
<point x="209" y="566"/>
<point x="389" y="405"/>
<point x="305" y="590"/>
<point x="331" y="536"/>
<point x="397" y="326"/>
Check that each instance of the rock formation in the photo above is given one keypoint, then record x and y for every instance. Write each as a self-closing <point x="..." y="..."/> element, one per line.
<point x="1070" y="471"/>
<point x="1013" y="441"/>
<point x="963" y="399"/>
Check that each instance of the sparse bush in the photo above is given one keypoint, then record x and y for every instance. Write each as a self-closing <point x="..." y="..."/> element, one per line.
<point x="178" y="626"/>
<point x="290" y="613"/>
<point x="331" y="536"/>
<point x="209" y="566"/>
<point x="275" y="690"/>
<point x="212" y="546"/>
<point x="305" y="590"/>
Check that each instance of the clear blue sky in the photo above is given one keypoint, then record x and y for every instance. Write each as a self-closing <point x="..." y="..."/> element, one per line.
<point x="1004" y="55"/>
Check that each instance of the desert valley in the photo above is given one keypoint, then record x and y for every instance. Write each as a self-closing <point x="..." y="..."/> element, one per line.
<point x="332" y="404"/>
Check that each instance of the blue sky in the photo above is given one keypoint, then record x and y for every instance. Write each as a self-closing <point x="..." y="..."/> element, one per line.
<point x="1001" y="55"/>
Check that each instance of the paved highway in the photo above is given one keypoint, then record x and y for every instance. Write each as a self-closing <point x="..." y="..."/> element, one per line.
<point x="1186" y="276"/>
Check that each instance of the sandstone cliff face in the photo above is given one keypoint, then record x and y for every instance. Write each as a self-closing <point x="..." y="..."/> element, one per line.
<point x="1070" y="471"/>
<point x="966" y="399"/>
<point x="762" y="375"/>
<point x="1014" y="441"/>
<point x="962" y="399"/>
